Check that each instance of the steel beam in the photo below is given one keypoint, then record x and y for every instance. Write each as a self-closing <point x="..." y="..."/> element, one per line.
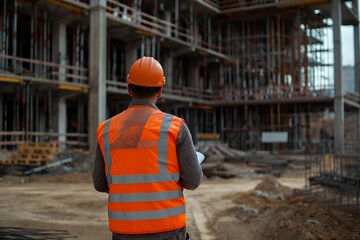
<point x="339" y="92"/>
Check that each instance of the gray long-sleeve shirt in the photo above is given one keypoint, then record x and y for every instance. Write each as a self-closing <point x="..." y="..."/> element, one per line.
<point x="190" y="171"/>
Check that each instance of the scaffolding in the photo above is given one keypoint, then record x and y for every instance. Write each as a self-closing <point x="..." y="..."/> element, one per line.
<point x="238" y="69"/>
<point x="43" y="73"/>
<point x="234" y="68"/>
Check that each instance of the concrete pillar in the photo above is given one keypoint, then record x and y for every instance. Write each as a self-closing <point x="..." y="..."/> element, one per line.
<point x="97" y="68"/>
<point x="81" y="117"/>
<point x="176" y="17"/>
<point x="195" y="75"/>
<point x="62" y="121"/>
<point x="131" y="55"/>
<point x="357" y="51"/>
<point x="339" y="92"/>
<point x="59" y="56"/>
<point x="168" y="19"/>
<point x="169" y="63"/>
<point x="191" y="22"/>
<point x="357" y="65"/>
<point x="1" y="115"/>
<point x="59" y="47"/>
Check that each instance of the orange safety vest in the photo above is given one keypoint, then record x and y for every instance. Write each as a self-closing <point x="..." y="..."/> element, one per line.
<point x="142" y="170"/>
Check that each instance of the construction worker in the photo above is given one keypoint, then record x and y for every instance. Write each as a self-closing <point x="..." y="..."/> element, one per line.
<point x="144" y="159"/>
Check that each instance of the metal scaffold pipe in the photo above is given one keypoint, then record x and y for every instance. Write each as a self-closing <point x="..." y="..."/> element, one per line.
<point x="37" y="116"/>
<point x="4" y="36"/>
<point x="27" y="110"/>
<point x="77" y="48"/>
<point x="50" y="112"/>
<point x="14" y="40"/>
<point x="49" y="46"/>
<point x="44" y="43"/>
<point x="32" y="39"/>
<point x="82" y="49"/>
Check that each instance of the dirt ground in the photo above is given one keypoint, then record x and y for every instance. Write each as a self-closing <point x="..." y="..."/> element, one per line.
<point x="67" y="207"/>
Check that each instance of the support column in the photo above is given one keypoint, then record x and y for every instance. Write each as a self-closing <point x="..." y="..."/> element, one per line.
<point x="81" y="118"/>
<point x="339" y="95"/>
<point x="176" y="17"/>
<point x="168" y="19"/>
<point x="357" y="65"/>
<point x="97" y="69"/>
<point x="357" y="51"/>
<point x="195" y="75"/>
<point x="62" y="121"/>
<point x="131" y="56"/>
<point x="1" y="115"/>
<point x="59" y="56"/>
<point x="191" y="22"/>
<point x="169" y="64"/>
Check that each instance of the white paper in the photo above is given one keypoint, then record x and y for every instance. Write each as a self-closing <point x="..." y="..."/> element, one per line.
<point x="200" y="157"/>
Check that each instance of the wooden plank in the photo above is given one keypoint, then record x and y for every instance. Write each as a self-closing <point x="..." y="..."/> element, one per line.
<point x="208" y="136"/>
<point x="5" y="161"/>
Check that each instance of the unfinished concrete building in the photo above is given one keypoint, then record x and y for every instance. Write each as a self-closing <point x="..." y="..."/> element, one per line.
<point x="264" y="75"/>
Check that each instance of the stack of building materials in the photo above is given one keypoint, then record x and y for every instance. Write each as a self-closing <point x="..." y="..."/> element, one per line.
<point x="31" y="154"/>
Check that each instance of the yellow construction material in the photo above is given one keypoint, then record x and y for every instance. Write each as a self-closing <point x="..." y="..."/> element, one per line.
<point x="5" y="161"/>
<point x="68" y="6"/>
<point x="10" y="79"/>
<point x="34" y="154"/>
<point x="145" y="33"/>
<point x="72" y="88"/>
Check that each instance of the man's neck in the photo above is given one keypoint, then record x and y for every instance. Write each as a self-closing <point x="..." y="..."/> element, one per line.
<point x="153" y="100"/>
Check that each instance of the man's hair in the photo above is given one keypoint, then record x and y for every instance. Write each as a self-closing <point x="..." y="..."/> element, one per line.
<point x="143" y="92"/>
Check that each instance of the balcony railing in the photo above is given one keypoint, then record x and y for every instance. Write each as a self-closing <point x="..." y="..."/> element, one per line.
<point x="157" y="26"/>
<point x="14" y="138"/>
<point x="271" y="93"/>
<point x="177" y="91"/>
<point x="38" y="70"/>
<point x="239" y="94"/>
<point x="228" y="5"/>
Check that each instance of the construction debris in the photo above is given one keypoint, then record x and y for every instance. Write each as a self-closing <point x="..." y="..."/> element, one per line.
<point x="219" y="170"/>
<point x="215" y="150"/>
<point x="47" y="166"/>
<point x="262" y="162"/>
<point x="295" y="216"/>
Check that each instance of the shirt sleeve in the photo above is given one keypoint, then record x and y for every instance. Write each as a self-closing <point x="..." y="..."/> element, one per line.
<point x="98" y="172"/>
<point x="190" y="170"/>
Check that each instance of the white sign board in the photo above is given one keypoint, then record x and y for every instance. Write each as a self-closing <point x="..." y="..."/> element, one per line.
<point x="274" y="137"/>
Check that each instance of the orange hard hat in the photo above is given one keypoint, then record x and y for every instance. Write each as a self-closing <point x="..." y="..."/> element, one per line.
<point x="146" y="72"/>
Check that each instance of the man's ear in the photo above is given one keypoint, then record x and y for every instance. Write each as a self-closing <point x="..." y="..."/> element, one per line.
<point x="129" y="91"/>
<point x="159" y="93"/>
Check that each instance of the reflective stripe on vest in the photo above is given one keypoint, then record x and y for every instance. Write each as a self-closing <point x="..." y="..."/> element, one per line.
<point x="144" y="197"/>
<point x="163" y="176"/>
<point x="147" y="215"/>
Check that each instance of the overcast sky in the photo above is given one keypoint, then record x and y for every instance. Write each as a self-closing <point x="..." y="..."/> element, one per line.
<point x="347" y="39"/>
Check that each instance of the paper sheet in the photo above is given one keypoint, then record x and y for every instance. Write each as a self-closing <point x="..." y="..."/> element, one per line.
<point x="200" y="157"/>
